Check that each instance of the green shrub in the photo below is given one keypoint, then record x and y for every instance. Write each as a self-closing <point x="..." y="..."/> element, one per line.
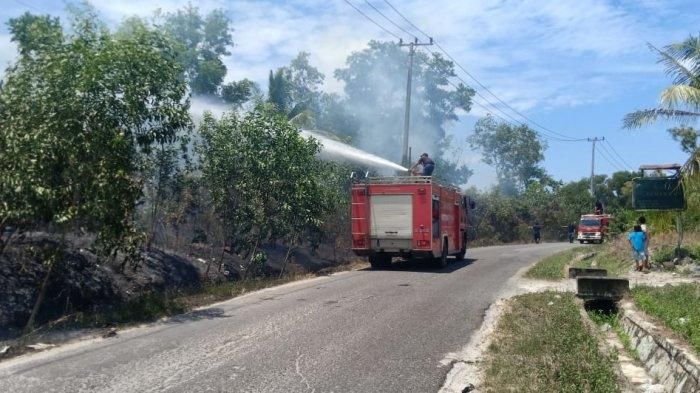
<point x="667" y="253"/>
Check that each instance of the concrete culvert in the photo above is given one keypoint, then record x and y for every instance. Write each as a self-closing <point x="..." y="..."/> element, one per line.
<point x="601" y="306"/>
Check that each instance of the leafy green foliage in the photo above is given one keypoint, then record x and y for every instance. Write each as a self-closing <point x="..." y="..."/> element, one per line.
<point x="263" y="177"/>
<point x="239" y="92"/>
<point x="677" y="306"/>
<point x="76" y="111"/>
<point x="294" y="90"/>
<point x="667" y="253"/>
<point x="680" y="102"/>
<point x="687" y="136"/>
<point x="514" y="151"/>
<point x="203" y="40"/>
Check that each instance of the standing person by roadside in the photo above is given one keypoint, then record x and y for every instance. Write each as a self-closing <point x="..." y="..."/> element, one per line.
<point x="638" y="241"/>
<point x="643" y="224"/>
<point x="571" y="232"/>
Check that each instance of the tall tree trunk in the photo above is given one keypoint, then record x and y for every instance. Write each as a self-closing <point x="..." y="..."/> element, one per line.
<point x="286" y="258"/>
<point x="156" y="202"/>
<point x="250" y="262"/>
<point x="42" y="293"/>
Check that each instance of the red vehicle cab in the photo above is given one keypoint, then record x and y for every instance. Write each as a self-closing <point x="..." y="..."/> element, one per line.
<point x="593" y="228"/>
<point x="408" y="216"/>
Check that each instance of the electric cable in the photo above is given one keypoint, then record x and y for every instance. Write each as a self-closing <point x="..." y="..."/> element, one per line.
<point x="604" y="154"/>
<point x="372" y="20"/>
<point x="611" y="156"/>
<point x="390" y="21"/>
<point x="618" y="154"/>
<point x="561" y="136"/>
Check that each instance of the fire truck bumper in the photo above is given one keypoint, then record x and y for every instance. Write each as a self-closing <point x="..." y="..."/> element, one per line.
<point x="590" y="236"/>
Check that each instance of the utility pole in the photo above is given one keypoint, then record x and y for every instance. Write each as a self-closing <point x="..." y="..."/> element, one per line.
<point x="593" y="140"/>
<point x="411" y="51"/>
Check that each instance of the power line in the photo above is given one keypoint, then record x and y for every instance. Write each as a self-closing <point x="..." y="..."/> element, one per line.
<point x="554" y="133"/>
<point x="606" y="155"/>
<point x="406" y="19"/>
<point x="617" y="154"/>
<point x="28" y="5"/>
<point x="372" y="20"/>
<point x="513" y="121"/>
<point x="546" y="134"/>
<point x="616" y="161"/>
<point x="562" y="138"/>
<point x="387" y="18"/>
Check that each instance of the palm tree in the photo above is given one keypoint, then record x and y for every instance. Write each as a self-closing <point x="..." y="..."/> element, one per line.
<point x="679" y="102"/>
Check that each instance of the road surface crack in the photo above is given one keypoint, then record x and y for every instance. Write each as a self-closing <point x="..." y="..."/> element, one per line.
<point x="303" y="378"/>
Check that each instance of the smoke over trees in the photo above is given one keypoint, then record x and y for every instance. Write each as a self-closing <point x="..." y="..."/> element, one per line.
<point x="375" y="89"/>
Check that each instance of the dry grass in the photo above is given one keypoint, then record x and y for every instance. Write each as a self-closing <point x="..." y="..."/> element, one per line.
<point x="542" y="345"/>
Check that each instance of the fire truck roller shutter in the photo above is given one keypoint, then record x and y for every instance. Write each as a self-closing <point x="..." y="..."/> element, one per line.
<point x="391" y="216"/>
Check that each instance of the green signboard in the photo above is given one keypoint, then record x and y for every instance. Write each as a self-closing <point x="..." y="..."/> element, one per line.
<point x="657" y="193"/>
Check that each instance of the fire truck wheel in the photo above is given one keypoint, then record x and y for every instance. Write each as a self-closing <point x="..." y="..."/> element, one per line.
<point x="442" y="260"/>
<point x="463" y="251"/>
<point x="380" y="260"/>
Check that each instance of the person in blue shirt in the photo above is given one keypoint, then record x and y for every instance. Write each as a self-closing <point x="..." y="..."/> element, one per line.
<point x="638" y="240"/>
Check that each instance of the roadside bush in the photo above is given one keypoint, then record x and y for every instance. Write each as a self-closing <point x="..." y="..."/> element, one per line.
<point x="668" y="253"/>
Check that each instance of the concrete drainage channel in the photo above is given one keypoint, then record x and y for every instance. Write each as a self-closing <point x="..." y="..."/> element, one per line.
<point x="669" y="362"/>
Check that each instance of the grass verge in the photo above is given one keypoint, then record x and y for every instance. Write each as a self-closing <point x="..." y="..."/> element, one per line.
<point x="542" y="345"/>
<point x="677" y="306"/>
<point x="613" y="320"/>
<point x="552" y="267"/>
<point x="606" y="258"/>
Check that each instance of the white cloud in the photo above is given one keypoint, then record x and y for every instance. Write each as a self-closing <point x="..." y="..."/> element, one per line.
<point x="531" y="54"/>
<point x="8" y="51"/>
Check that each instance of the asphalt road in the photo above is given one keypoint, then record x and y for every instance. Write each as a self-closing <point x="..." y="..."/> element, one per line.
<point x="360" y="331"/>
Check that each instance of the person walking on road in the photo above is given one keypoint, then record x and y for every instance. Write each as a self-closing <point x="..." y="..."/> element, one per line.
<point x="536" y="229"/>
<point x="571" y="231"/>
<point x="638" y="242"/>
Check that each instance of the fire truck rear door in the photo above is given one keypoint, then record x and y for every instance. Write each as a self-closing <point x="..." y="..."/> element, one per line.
<point x="392" y="218"/>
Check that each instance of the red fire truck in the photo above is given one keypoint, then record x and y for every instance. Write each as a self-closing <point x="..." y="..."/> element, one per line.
<point x="411" y="216"/>
<point x="593" y="228"/>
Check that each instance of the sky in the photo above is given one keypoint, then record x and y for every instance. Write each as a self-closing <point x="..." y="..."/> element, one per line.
<point x="575" y="67"/>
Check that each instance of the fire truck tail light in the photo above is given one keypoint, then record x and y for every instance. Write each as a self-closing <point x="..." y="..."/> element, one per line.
<point x="423" y="243"/>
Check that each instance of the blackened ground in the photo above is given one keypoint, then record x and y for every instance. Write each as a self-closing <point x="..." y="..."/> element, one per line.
<point x="83" y="281"/>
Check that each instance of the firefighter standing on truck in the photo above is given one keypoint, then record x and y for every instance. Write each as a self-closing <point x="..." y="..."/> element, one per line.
<point x="427" y="163"/>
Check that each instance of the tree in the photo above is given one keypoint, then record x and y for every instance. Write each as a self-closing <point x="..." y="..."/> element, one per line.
<point x="76" y="111"/>
<point x="514" y="151"/>
<point x="272" y="190"/>
<point x="294" y="90"/>
<point x="239" y="92"/>
<point x="680" y="102"/>
<point x="204" y="39"/>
